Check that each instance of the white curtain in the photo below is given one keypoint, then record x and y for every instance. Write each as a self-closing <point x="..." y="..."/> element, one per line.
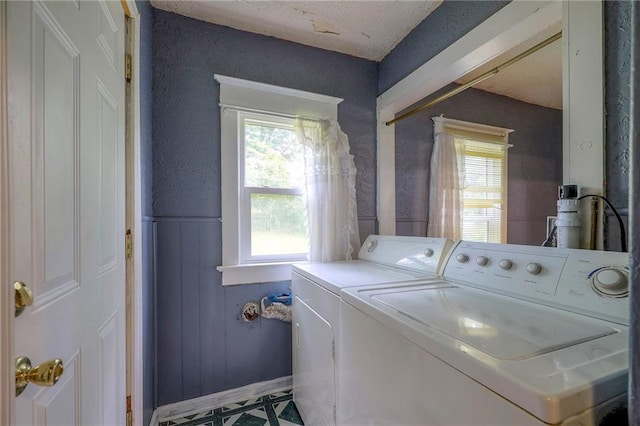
<point x="446" y="187"/>
<point x="330" y="191"/>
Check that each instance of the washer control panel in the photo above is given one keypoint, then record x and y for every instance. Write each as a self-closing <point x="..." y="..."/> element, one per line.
<point x="592" y="282"/>
<point x="420" y="254"/>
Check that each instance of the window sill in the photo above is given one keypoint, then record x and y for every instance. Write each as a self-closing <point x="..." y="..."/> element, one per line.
<point x="255" y="273"/>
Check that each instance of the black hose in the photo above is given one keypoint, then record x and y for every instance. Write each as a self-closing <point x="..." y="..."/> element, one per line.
<point x="623" y="233"/>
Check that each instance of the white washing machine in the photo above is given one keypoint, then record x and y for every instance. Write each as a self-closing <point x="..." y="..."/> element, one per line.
<point x="316" y="291"/>
<point x="513" y="335"/>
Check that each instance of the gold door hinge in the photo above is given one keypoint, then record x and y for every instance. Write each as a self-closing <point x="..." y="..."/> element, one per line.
<point x="129" y="412"/>
<point x="127" y="68"/>
<point x="128" y="244"/>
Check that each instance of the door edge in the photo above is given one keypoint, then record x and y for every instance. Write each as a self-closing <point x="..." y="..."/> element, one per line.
<point x="7" y="392"/>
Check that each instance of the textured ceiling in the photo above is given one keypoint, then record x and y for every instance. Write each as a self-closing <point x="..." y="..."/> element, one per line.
<point x="366" y="29"/>
<point x="536" y="79"/>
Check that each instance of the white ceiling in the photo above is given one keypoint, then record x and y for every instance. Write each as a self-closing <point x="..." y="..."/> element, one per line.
<point x="371" y="29"/>
<point x="536" y="79"/>
<point x="366" y="29"/>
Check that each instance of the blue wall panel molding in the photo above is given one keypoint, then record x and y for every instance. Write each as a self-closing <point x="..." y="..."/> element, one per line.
<point x="534" y="161"/>
<point x="186" y="219"/>
<point x="411" y="227"/>
<point x="367" y="226"/>
<point x="148" y="321"/>
<point x="203" y="345"/>
<point x="148" y="301"/>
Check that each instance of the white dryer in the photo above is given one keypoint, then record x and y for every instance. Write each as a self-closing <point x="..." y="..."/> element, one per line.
<point x="513" y="335"/>
<point x="316" y="291"/>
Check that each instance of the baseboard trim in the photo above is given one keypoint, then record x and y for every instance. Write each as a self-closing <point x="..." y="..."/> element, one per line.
<point x="196" y="405"/>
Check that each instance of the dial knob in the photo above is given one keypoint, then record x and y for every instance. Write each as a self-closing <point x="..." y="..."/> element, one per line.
<point x="428" y="252"/>
<point x="534" y="268"/>
<point x="372" y="245"/>
<point x="462" y="258"/>
<point x="505" y="264"/>
<point x="482" y="260"/>
<point x="610" y="281"/>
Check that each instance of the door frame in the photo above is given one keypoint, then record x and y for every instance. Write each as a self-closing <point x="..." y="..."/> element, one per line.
<point x="7" y="382"/>
<point x="134" y="211"/>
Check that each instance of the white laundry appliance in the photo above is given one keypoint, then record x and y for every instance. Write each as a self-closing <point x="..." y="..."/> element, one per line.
<point x="513" y="335"/>
<point x="316" y="291"/>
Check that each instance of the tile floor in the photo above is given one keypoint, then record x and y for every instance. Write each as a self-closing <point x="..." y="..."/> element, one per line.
<point x="276" y="409"/>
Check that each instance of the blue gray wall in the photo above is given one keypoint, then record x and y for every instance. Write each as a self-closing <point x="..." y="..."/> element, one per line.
<point x="199" y="345"/>
<point x="148" y="301"/>
<point x="202" y="345"/>
<point x="617" y="106"/>
<point x="634" y="215"/>
<point x="534" y="162"/>
<point x="446" y="24"/>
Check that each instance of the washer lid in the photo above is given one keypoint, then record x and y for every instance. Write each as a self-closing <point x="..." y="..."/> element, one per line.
<point x="506" y="331"/>
<point x="334" y="276"/>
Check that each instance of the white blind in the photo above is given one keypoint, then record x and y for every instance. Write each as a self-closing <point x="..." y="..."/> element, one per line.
<point x="484" y="194"/>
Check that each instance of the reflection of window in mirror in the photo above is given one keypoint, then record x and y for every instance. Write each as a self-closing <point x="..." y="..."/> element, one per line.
<point x="549" y="145"/>
<point x="469" y="171"/>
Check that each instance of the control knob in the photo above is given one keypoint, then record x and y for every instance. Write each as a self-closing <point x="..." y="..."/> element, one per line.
<point x="462" y="258"/>
<point x="505" y="264"/>
<point x="534" y="268"/>
<point x="482" y="260"/>
<point x="428" y="252"/>
<point x="372" y="245"/>
<point x="610" y="281"/>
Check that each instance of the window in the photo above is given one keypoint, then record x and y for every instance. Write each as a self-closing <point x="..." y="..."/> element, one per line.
<point x="484" y="193"/>
<point x="472" y="177"/>
<point x="262" y="172"/>
<point x="273" y="211"/>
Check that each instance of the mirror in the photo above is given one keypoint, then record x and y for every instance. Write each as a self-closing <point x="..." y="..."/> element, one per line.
<point x="536" y="168"/>
<point x="525" y="97"/>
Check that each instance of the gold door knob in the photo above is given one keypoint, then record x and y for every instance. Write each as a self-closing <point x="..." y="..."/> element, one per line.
<point x="23" y="296"/>
<point x="46" y="374"/>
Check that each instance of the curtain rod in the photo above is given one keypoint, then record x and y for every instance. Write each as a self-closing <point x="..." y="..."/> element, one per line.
<point x="476" y="80"/>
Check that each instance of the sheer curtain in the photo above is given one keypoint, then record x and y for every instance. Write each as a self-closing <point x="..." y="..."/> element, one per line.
<point x="446" y="187"/>
<point x="330" y="191"/>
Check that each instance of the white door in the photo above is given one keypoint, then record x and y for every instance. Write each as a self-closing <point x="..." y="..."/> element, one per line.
<point x="66" y="180"/>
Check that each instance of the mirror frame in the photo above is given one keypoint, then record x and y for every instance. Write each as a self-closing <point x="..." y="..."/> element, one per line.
<point x="507" y="28"/>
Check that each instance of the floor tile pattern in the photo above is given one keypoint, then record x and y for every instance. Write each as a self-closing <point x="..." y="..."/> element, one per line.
<point x="276" y="409"/>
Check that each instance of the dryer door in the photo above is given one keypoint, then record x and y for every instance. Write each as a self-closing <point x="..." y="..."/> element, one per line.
<point x="313" y="365"/>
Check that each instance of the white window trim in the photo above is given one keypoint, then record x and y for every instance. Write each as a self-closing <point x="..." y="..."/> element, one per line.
<point x="237" y="95"/>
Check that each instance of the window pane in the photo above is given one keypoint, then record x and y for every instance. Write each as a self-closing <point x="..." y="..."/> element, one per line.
<point x="482" y="224"/>
<point x="273" y="156"/>
<point x="278" y="225"/>
<point x="483" y="192"/>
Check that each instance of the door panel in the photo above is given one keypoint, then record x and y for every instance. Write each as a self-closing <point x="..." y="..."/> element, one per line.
<point x="108" y="132"/>
<point x="55" y="150"/>
<point x="61" y="403"/>
<point x="66" y="156"/>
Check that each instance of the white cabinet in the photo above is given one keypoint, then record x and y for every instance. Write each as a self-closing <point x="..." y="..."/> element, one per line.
<point x="315" y="320"/>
